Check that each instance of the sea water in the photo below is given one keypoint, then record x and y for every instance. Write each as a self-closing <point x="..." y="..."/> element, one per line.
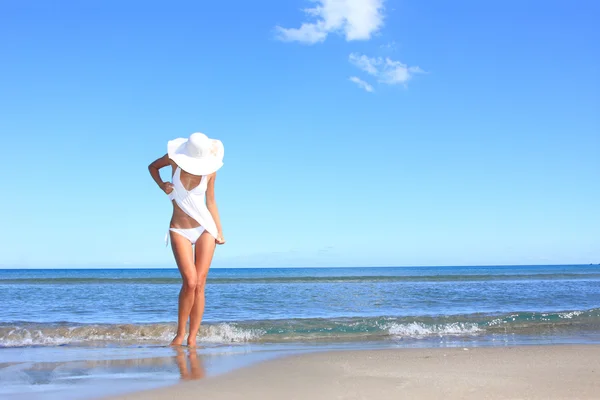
<point x="67" y="328"/>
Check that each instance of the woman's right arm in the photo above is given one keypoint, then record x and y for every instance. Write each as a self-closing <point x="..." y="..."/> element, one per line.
<point x="154" y="168"/>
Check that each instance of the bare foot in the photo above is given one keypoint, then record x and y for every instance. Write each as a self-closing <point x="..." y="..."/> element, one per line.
<point x="191" y="342"/>
<point x="178" y="340"/>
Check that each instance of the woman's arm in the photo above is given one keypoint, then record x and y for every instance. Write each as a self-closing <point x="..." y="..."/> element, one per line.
<point x="211" y="204"/>
<point x="154" y="168"/>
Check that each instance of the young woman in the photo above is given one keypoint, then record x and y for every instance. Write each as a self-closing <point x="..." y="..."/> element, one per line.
<point x="195" y="227"/>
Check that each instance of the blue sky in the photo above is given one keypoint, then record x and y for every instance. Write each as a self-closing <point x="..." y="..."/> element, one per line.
<point x="377" y="133"/>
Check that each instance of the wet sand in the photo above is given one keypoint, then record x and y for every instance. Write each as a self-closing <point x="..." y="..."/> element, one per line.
<point x="526" y="372"/>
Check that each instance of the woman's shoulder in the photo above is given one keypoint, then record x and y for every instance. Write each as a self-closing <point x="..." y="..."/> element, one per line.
<point x="167" y="159"/>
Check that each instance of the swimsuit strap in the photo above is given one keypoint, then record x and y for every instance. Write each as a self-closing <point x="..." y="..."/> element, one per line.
<point x="177" y="174"/>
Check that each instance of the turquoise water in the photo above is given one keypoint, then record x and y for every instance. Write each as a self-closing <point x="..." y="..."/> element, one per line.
<point x="75" y="307"/>
<point x="51" y="320"/>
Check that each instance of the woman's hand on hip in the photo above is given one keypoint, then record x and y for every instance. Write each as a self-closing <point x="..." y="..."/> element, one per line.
<point x="220" y="239"/>
<point x="167" y="187"/>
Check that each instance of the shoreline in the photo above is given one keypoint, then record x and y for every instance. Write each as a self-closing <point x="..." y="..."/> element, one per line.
<point x="524" y="372"/>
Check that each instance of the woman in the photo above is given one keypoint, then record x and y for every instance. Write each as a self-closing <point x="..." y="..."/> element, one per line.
<point x="195" y="226"/>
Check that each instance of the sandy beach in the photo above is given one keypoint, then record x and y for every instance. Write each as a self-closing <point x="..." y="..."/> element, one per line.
<point x="526" y="372"/>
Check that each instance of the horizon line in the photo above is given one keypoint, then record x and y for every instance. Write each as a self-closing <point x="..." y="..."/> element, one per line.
<point x="4" y="268"/>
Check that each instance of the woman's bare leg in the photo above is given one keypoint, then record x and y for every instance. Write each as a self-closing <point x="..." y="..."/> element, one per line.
<point x="205" y="248"/>
<point x="184" y="256"/>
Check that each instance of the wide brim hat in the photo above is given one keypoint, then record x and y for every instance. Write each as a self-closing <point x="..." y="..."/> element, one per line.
<point x="198" y="154"/>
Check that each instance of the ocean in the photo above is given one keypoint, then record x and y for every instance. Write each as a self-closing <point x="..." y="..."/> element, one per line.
<point x="67" y="328"/>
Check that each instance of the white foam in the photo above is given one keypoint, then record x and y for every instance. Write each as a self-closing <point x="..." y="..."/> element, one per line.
<point x="228" y="333"/>
<point x="569" y="315"/>
<point x="56" y="336"/>
<point x="23" y="337"/>
<point x="420" y="330"/>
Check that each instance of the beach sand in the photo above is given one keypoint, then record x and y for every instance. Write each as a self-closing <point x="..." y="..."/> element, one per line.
<point x="526" y="372"/>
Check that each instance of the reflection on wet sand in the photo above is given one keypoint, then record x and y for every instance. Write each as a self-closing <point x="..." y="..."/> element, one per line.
<point x="196" y="368"/>
<point x="80" y="376"/>
<point x="188" y="362"/>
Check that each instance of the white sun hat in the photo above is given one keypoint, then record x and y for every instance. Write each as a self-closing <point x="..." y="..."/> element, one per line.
<point x="198" y="155"/>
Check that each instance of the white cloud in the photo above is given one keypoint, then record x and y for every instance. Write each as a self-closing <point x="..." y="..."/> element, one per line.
<point x="362" y="84"/>
<point x="365" y="63"/>
<point x="307" y="33"/>
<point x="356" y="19"/>
<point x="385" y="70"/>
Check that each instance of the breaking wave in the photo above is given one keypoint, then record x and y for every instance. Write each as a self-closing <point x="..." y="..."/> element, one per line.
<point x="306" y="330"/>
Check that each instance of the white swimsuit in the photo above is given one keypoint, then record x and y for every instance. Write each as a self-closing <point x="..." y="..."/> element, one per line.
<point x="193" y="203"/>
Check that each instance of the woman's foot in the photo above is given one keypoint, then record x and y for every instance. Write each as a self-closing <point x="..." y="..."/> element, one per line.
<point x="178" y="340"/>
<point x="191" y="342"/>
